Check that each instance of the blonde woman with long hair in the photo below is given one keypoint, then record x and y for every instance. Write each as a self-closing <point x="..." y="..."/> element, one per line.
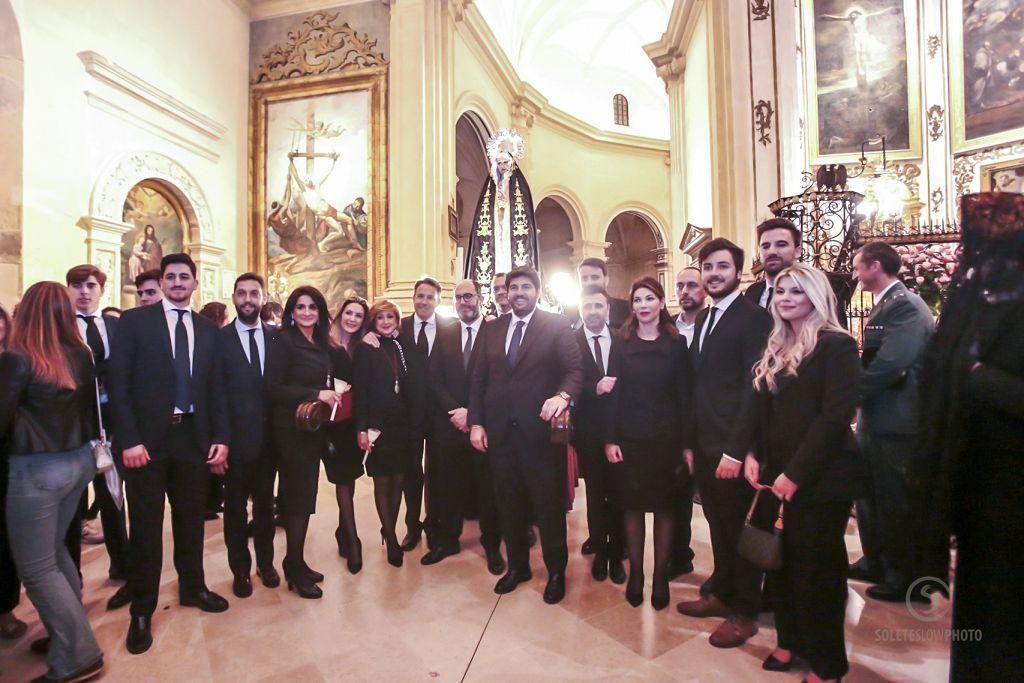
<point x="801" y="449"/>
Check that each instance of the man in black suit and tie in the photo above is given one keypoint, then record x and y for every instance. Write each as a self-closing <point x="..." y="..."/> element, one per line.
<point x="593" y="272"/>
<point x="604" y="519"/>
<point x="454" y="461"/>
<point x="85" y="286"/>
<point x="527" y="371"/>
<point x="728" y="340"/>
<point x="170" y="427"/>
<point x="242" y="354"/>
<point x="778" y="241"/>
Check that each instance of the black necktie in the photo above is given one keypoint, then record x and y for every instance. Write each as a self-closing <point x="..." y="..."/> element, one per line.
<point x="421" y="340"/>
<point x="708" y="326"/>
<point x="93" y="338"/>
<point x="467" y="350"/>
<point x="597" y="355"/>
<point x="254" y="352"/>
<point x="182" y="367"/>
<point x="768" y="301"/>
<point x="513" y="346"/>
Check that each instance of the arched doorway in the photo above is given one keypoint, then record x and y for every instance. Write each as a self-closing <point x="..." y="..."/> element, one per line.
<point x="471" y="171"/>
<point x="11" y="113"/>
<point x="159" y="216"/>
<point x="636" y="249"/>
<point x="555" y="234"/>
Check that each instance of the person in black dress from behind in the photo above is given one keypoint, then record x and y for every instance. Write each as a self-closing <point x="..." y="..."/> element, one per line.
<point x="299" y="370"/>
<point x="649" y="431"/>
<point x="801" y="448"/>
<point x="386" y="385"/>
<point x="344" y="461"/>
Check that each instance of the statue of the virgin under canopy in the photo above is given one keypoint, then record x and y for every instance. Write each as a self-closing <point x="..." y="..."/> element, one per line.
<point x="504" y="234"/>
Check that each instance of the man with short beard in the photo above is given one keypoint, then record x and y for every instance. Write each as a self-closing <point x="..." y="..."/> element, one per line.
<point x="691" y="295"/>
<point x="779" y="243"/>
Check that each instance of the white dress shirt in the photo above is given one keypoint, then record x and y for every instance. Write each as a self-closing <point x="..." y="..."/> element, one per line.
<point x="878" y="297"/>
<point x="431" y="330"/>
<point x="475" y="326"/>
<point x="172" y="321"/>
<point x="512" y="328"/>
<point x="101" y="325"/>
<point x="685" y="328"/>
<point x="722" y="307"/>
<point x="261" y="345"/>
<point x="605" y="338"/>
<point x="769" y="285"/>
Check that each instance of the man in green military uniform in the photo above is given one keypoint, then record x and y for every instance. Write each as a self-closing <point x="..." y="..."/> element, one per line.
<point x="895" y="337"/>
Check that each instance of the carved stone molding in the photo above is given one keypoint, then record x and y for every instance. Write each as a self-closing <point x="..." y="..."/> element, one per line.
<point x="763" y="113"/>
<point x="760" y="9"/>
<point x="965" y="167"/>
<point x="934" y="43"/>
<point x="936" y="121"/>
<point x="319" y="46"/>
<point x="909" y="175"/>
<point x="672" y="70"/>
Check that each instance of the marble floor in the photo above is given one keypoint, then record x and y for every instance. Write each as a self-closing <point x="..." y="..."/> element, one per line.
<point x="444" y="623"/>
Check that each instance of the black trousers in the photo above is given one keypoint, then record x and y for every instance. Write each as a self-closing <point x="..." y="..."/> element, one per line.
<point x="530" y="474"/>
<point x="249" y="475"/>
<point x="416" y="481"/>
<point x="115" y="529"/>
<point x="726" y="501"/>
<point x="177" y="469"/>
<point x="809" y="592"/>
<point x="682" y="553"/>
<point x="883" y="515"/>
<point x="604" y="518"/>
<point x="10" y="585"/>
<point x="455" y="467"/>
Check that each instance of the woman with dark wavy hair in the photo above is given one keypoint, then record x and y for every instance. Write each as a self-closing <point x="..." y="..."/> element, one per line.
<point x="298" y="369"/>
<point x="48" y="418"/>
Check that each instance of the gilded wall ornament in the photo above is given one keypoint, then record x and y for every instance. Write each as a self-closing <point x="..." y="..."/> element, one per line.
<point x="936" y="119"/>
<point x="937" y="198"/>
<point x="934" y="43"/>
<point x="909" y="175"/>
<point x="965" y="167"/>
<point x="760" y="9"/>
<point x="763" y="112"/>
<point x="319" y="46"/>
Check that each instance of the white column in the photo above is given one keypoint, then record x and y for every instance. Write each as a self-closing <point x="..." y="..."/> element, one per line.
<point x="103" y="249"/>
<point x="208" y="266"/>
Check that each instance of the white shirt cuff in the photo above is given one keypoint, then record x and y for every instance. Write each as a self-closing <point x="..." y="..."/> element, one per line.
<point x="729" y="457"/>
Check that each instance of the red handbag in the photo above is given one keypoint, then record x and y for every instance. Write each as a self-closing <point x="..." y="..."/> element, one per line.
<point x="344" y="411"/>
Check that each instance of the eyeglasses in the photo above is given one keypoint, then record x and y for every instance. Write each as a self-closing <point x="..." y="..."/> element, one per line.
<point x="465" y="297"/>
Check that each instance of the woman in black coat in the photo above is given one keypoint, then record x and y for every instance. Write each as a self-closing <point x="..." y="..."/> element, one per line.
<point x="386" y="386"/>
<point x="344" y="460"/>
<point x="649" y="429"/>
<point x="299" y="370"/>
<point x="801" y="448"/>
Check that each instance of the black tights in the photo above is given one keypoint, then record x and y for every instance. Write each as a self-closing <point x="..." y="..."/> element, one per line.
<point x="387" y="494"/>
<point x="345" y="493"/>
<point x="295" y="528"/>
<point x="664" y="529"/>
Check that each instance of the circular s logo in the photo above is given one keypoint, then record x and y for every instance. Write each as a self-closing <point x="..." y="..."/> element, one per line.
<point x="919" y="602"/>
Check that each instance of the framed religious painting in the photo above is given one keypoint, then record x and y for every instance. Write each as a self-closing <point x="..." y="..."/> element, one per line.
<point x="159" y="226"/>
<point x="986" y="73"/>
<point x="319" y="183"/>
<point x="1003" y="176"/>
<point x="863" y="78"/>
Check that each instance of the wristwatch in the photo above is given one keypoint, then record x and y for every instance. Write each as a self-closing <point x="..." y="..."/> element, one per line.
<point x="566" y="396"/>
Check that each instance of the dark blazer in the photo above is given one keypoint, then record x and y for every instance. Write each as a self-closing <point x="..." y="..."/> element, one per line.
<point x="754" y="291"/>
<point x="588" y="408"/>
<point x="296" y="372"/>
<point x="449" y="380"/>
<point x="376" y="403"/>
<point x="423" y="399"/>
<point x="141" y="381"/>
<point x="246" y="397"/>
<point x="408" y="330"/>
<point x="803" y="428"/>
<point x="548" y="362"/>
<point x="723" y="372"/>
<point x="895" y="338"/>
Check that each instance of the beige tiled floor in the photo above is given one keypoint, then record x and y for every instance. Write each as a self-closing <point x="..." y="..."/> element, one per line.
<point x="444" y="623"/>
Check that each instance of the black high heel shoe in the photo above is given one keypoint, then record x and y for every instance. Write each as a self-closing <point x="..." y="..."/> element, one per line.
<point x="660" y="594"/>
<point x="301" y="582"/>
<point x="339" y="536"/>
<point x="635" y="590"/>
<point x="775" y="664"/>
<point x="394" y="552"/>
<point x="355" y="556"/>
<point x="313" y="574"/>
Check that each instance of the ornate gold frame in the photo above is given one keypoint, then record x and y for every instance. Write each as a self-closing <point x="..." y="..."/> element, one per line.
<point x="986" y="171"/>
<point x="372" y="79"/>
<point x="911" y="20"/>
<point x="958" y="116"/>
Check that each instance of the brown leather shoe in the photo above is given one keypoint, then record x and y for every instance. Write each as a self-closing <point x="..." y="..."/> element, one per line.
<point x="733" y="632"/>
<point x="704" y="607"/>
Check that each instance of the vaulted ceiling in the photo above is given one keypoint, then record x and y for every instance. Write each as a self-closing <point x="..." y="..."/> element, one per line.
<point x="580" y="53"/>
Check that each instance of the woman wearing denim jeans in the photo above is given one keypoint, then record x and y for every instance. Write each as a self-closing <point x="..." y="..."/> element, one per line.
<point x="48" y="417"/>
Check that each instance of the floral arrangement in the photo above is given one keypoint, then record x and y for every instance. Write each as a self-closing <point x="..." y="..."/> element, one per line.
<point x="928" y="270"/>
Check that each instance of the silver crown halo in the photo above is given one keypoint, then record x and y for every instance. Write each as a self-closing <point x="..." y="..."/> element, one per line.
<point x="506" y="140"/>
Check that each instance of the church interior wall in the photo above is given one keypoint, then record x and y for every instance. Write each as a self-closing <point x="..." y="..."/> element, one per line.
<point x="11" y="113"/>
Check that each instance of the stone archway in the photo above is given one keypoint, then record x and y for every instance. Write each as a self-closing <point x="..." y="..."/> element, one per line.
<point x="556" y="237"/>
<point x="636" y="248"/>
<point x="471" y="170"/>
<point x="105" y="226"/>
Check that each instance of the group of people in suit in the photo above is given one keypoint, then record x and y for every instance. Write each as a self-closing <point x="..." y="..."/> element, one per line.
<point x="753" y="393"/>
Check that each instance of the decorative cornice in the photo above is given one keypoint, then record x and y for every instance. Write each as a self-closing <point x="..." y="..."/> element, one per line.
<point x="102" y="69"/>
<point x="268" y="9"/>
<point x="673" y="42"/>
<point x="103" y="104"/>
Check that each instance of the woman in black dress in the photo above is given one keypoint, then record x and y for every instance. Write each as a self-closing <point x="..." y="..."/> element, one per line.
<point x="344" y="461"/>
<point x="386" y="386"/>
<point x="298" y="369"/>
<point x="801" y="447"/>
<point x="649" y="431"/>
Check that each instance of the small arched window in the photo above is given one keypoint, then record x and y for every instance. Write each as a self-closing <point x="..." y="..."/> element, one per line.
<point x="621" y="106"/>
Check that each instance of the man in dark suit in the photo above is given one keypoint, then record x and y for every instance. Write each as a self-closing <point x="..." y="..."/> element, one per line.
<point x="728" y="340"/>
<point x="421" y="330"/>
<point x="593" y="272"/>
<point x="85" y="286"/>
<point x="170" y="428"/>
<point x="897" y="332"/>
<point x="778" y="241"/>
<point x="241" y="355"/>
<point x="147" y="287"/>
<point x="527" y="372"/>
<point x="604" y="519"/>
<point x="454" y="463"/>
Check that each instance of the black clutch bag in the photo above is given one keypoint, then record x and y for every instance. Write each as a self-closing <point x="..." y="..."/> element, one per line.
<point x="758" y="546"/>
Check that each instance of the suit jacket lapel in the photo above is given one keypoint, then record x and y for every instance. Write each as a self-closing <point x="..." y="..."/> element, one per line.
<point x="160" y="315"/>
<point x="528" y="335"/>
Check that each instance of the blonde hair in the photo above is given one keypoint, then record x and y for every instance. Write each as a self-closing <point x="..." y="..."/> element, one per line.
<point x="786" y="349"/>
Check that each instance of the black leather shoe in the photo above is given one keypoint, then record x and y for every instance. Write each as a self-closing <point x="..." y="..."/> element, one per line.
<point x="439" y="553"/>
<point x="269" y="576"/>
<point x="241" y="586"/>
<point x="588" y="547"/>
<point x="617" y="571"/>
<point x="865" y="571"/>
<point x="599" y="570"/>
<point x="299" y="581"/>
<point x="707" y="587"/>
<point x="777" y="665"/>
<point x="314" y="575"/>
<point x="206" y="600"/>
<point x="119" y="599"/>
<point x="495" y="562"/>
<point x="555" y="590"/>
<point x="140" y="637"/>
<point x="890" y="592"/>
<point x="411" y="540"/>
<point x="511" y="580"/>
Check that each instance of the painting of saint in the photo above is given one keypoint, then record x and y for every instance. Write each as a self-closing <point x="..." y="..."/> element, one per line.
<point x="993" y="67"/>
<point x="158" y="229"/>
